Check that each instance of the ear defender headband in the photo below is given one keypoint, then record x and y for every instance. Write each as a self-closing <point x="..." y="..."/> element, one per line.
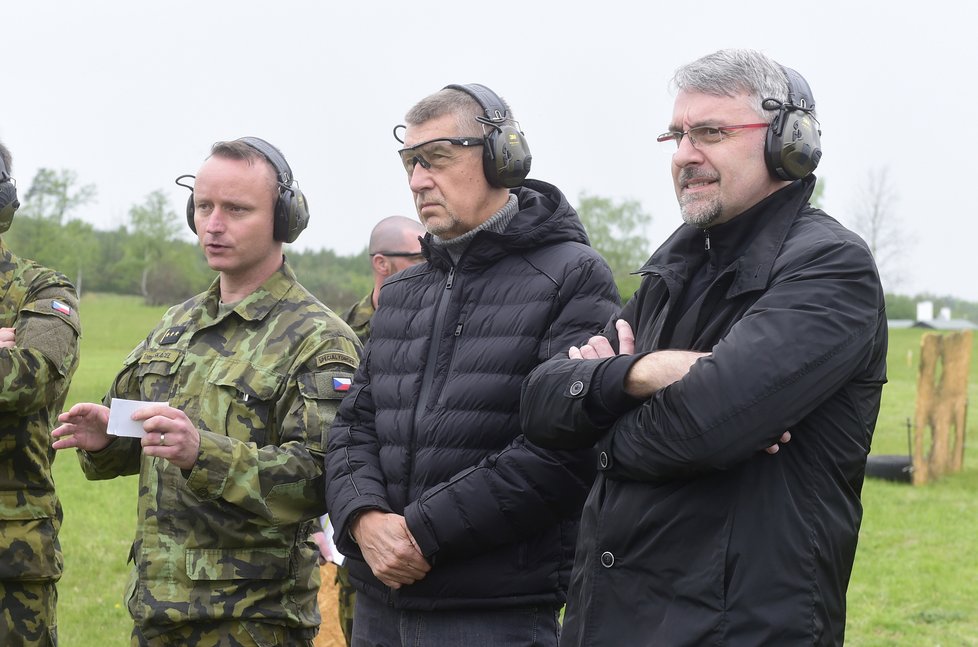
<point x="792" y="149"/>
<point x="8" y="198"/>
<point x="506" y="156"/>
<point x="291" y="208"/>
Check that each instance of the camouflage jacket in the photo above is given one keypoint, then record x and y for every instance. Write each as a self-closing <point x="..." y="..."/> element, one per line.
<point x="230" y="538"/>
<point x="358" y="316"/>
<point x="35" y="374"/>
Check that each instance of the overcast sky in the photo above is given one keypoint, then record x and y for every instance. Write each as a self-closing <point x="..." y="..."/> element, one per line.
<point x="130" y="94"/>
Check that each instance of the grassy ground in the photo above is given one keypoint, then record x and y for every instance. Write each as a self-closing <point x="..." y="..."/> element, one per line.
<point x="915" y="581"/>
<point x="100" y="516"/>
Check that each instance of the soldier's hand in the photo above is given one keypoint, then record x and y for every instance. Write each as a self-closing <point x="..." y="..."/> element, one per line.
<point x="389" y="548"/>
<point x="7" y="338"/>
<point x="169" y="434"/>
<point x="325" y="553"/>
<point x="83" y="426"/>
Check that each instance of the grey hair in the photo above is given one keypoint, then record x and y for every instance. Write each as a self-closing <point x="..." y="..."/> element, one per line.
<point x="7" y="158"/>
<point x="729" y="72"/>
<point x="454" y="102"/>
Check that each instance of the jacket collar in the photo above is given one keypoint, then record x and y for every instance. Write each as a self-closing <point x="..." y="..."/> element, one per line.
<point x="259" y="303"/>
<point x="545" y="217"/>
<point x="767" y="224"/>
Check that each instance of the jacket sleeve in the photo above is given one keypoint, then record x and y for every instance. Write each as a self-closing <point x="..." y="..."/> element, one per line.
<point x="36" y="371"/>
<point x="811" y="332"/>
<point x="122" y="456"/>
<point x="281" y="482"/>
<point x="553" y="403"/>
<point x="354" y="480"/>
<point x="515" y="493"/>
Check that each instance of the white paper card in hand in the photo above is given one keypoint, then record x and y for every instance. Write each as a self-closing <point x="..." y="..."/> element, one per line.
<point x="120" y="417"/>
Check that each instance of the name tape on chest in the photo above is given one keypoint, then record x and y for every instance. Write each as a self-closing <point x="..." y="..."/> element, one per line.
<point x="168" y="355"/>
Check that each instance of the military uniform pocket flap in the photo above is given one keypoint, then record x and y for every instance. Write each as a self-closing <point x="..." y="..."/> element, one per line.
<point x="159" y="361"/>
<point x="237" y="564"/>
<point x="253" y="381"/>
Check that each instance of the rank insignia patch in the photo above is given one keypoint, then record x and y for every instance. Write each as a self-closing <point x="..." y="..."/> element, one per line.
<point x="172" y="335"/>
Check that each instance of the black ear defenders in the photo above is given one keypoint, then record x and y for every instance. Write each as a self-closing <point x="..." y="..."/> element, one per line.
<point x="506" y="156"/>
<point x="291" y="208"/>
<point x="792" y="149"/>
<point x="8" y="198"/>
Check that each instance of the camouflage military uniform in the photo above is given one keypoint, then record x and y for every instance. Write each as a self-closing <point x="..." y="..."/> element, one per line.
<point x="34" y="377"/>
<point x="230" y="539"/>
<point x="358" y="316"/>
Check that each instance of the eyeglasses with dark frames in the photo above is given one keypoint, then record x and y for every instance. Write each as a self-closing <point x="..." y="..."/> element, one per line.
<point x="435" y="153"/>
<point x="404" y="254"/>
<point x="704" y="135"/>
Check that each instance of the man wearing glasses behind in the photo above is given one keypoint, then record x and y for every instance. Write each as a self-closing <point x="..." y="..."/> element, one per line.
<point x="394" y="246"/>
<point x="457" y="530"/>
<point x="759" y="316"/>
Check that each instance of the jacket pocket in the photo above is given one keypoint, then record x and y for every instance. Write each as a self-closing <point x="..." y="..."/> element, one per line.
<point x="245" y="400"/>
<point x="210" y="564"/>
<point x="156" y="370"/>
<point x="30" y="550"/>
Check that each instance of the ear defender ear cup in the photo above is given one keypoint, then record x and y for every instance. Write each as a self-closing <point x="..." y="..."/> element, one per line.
<point x="506" y="156"/>
<point x="792" y="149"/>
<point x="291" y="207"/>
<point x="8" y="199"/>
<point x="506" y="159"/>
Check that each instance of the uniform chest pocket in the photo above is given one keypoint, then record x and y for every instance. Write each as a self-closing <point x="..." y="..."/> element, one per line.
<point x="157" y="370"/>
<point x="243" y="402"/>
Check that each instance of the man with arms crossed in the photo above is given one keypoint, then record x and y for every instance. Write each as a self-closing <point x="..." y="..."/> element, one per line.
<point x="760" y="317"/>
<point x="39" y="331"/>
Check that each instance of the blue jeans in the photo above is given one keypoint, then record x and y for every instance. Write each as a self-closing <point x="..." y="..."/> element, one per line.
<point x="375" y="624"/>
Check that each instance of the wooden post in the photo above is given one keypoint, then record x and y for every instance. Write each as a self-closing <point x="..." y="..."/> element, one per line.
<point x="942" y="404"/>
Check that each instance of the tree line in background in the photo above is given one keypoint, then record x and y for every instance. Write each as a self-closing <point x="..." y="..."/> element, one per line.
<point x="148" y="256"/>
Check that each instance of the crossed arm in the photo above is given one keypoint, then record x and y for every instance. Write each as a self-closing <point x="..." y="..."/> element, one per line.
<point x="651" y="372"/>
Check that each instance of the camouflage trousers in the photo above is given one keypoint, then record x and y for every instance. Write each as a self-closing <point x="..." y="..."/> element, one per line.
<point x="28" y="614"/>
<point x="348" y="599"/>
<point x="232" y="633"/>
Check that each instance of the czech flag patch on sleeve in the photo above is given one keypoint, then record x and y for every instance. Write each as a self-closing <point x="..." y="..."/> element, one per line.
<point x="341" y="384"/>
<point x="60" y="307"/>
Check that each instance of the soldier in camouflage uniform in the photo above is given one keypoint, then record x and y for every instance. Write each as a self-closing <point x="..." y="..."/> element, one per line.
<point x="231" y="469"/>
<point x="394" y="245"/>
<point x="39" y="331"/>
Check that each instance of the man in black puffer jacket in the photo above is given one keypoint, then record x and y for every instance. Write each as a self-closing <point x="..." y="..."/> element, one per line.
<point x="460" y="531"/>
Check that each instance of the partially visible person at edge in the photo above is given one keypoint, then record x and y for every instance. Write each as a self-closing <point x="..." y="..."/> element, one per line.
<point x="394" y="245"/>
<point x="39" y="330"/>
<point x="760" y="319"/>
<point x="241" y="383"/>
<point x="459" y="531"/>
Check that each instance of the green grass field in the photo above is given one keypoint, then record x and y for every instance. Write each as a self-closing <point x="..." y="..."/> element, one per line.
<point x="915" y="580"/>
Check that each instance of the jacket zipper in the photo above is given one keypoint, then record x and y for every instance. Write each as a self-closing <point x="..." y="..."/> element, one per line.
<point x="429" y="367"/>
